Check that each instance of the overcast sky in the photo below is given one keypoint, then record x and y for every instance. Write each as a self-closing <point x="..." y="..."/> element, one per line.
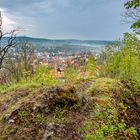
<point x="76" y="19"/>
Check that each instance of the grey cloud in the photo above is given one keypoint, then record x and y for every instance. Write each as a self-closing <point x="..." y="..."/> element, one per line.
<point x="97" y="19"/>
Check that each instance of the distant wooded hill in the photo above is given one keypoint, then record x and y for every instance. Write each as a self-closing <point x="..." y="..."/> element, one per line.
<point x="66" y="45"/>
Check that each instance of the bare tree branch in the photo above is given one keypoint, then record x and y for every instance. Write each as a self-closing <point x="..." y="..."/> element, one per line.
<point x="10" y="43"/>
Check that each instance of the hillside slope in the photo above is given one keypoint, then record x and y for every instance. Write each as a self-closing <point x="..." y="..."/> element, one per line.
<point x="95" y="109"/>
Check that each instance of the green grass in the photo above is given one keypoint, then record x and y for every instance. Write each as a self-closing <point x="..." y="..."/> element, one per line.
<point x="103" y="84"/>
<point x="16" y="86"/>
<point x="26" y="85"/>
<point x="103" y="122"/>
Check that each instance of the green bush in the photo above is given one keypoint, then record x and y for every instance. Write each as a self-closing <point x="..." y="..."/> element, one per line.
<point x="44" y="77"/>
<point x="71" y="75"/>
<point x="91" y="66"/>
<point x="122" y="62"/>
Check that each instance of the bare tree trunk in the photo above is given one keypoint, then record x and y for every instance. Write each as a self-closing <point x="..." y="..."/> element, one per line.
<point x="10" y="43"/>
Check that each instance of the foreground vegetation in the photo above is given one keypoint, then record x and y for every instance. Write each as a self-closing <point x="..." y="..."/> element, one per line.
<point x="98" y="108"/>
